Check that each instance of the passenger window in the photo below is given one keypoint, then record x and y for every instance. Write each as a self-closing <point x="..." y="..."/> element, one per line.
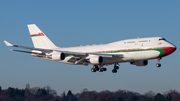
<point x="143" y="41"/>
<point x="131" y="42"/>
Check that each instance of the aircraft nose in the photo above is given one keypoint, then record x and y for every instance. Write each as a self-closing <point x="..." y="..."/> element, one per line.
<point x="174" y="48"/>
<point x="169" y="50"/>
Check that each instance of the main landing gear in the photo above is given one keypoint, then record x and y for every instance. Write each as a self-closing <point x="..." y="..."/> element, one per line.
<point x="158" y="64"/>
<point x="101" y="69"/>
<point x="115" y="68"/>
<point x="98" y="68"/>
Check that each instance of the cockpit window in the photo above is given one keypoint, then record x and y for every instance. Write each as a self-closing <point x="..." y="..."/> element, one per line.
<point x="162" y="39"/>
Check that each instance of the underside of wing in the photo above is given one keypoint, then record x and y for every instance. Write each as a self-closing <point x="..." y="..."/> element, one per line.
<point x="73" y="57"/>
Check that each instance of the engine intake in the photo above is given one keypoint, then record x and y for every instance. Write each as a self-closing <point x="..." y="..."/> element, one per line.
<point x="96" y="59"/>
<point x="140" y="63"/>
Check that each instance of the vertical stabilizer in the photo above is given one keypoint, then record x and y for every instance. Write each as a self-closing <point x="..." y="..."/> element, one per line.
<point x="39" y="39"/>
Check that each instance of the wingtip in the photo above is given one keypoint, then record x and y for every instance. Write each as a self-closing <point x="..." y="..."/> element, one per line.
<point x="7" y="43"/>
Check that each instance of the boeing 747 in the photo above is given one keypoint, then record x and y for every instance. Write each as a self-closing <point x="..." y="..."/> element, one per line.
<point x="135" y="51"/>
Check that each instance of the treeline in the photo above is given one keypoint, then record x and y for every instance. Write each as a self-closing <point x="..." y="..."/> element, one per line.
<point x="48" y="94"/>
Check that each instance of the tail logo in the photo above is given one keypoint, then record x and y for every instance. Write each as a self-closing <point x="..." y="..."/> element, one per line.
<point x="39" y="34"/>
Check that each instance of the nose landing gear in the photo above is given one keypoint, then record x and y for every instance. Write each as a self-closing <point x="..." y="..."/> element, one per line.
<point x="158" y="64"/>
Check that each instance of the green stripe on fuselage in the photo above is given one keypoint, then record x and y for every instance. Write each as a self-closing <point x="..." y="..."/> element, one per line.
<point x="160" y="50"/>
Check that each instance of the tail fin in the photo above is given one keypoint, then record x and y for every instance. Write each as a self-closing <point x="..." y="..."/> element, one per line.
<point x="39" y="39"/>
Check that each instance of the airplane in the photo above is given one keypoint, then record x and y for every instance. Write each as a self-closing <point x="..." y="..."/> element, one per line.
<point x="135" y="51"/>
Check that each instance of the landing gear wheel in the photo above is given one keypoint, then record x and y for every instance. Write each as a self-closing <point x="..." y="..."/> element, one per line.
<point x="158" y="65"/>
<point x="114" y="71"/>
<point x="104" y="69"/>
<point x="116" y="67"/>
<point x="100" y="69"/>
<point x="93" y="70"/>
<point x="95" y="67"/>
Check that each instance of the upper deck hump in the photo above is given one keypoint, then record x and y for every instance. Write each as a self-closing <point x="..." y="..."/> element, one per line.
<point x="134" y="39"/>
<point x="110" y="46"/>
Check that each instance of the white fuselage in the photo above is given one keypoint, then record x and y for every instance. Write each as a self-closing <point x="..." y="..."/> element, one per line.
<point x="132" y="49"/>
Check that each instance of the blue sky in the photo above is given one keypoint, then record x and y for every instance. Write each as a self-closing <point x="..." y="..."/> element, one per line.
<point x="73" y="23"/>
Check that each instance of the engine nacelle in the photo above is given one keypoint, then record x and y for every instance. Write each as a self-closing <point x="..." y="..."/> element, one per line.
<point x="96" y="59"/>
<point x="140" y="63"/>
<point x="57" y="56"/>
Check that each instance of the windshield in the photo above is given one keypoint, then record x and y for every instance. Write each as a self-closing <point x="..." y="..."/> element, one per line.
<point x="162" y="39"/>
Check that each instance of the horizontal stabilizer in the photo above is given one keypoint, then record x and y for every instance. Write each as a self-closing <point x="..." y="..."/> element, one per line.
<point x="30" y="48"/>
<point x="24" y="51"/>
<point x="34" y="53"/>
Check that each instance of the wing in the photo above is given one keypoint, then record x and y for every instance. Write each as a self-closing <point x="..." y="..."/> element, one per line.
<point x="76" y="57"/>
<point x="77" y="54"/>
<point x="38" y="49"/>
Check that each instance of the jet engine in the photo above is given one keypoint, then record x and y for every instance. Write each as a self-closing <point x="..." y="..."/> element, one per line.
<point x="140" y="63"/>
<point x="96" y="59"/>
<point x="56" y="56"/>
